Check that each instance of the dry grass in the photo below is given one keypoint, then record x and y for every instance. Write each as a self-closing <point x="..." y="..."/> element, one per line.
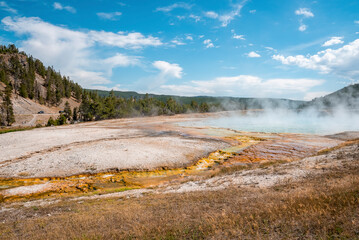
<point x="319" y="207"/>
<point x="14" y="129"/>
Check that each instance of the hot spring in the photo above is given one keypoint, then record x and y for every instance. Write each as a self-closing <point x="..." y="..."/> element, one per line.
<point x="275" y="121"/>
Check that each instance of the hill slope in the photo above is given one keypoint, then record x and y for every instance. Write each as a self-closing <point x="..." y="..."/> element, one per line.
<point x="347" y="97"/>
<point x="27" y="87"/>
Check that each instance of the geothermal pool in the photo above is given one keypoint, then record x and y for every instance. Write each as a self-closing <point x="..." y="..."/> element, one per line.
<point x="282" y="122"/>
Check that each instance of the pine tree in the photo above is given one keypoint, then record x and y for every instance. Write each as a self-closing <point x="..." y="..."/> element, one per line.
<point x="67" y="111"/>
<point x="61" y="120"/>
<point x="74" y="116"/>
<point x="10" y="118"/>
<point x="51" y="122"/>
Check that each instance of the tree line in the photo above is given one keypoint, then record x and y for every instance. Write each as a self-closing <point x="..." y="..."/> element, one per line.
<point x="94" y="108"/>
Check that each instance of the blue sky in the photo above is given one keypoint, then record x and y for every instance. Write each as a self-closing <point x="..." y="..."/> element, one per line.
<point x="255" y="48"/>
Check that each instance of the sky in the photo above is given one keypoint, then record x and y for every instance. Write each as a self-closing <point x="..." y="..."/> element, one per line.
<point x="250" y="48"/>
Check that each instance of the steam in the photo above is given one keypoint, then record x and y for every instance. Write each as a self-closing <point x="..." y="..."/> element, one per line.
<point x="311" y="119"/>
<point x="333" y="113"/>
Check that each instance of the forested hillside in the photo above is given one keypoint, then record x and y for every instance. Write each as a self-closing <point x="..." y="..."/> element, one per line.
<point x="219" y="103"/>
<point x="27" y="77"/>
<point x="347" y="97"/>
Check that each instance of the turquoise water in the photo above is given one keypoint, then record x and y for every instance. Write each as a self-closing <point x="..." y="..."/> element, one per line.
<point x="286" y="122"/>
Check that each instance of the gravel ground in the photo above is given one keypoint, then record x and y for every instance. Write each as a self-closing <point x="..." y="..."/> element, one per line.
<point x="100" y="146"/>
<point x="134" y="153"/>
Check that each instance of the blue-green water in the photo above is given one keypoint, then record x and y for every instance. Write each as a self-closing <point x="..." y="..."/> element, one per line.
<point x="286" y="122"/>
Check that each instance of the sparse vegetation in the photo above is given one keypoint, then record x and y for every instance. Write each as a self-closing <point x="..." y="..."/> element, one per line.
<point x="7" y="130"/>
<point x="319" y="207"/>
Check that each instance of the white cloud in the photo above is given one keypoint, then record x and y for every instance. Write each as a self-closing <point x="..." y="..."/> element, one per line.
<point x="211" y="14"/>
<point x="241" y="37"/>
<point x="118" y="60"/>
<point x="302" y="27"/>
<point x="4" y="6"/>
<point x="195" y="17"/>
<point x="208" y="43"/>
<point x="253" y="11"/>
<point x="117" y="87"/>
<point x="177" y="42"/>
<point x="59" y="6"/>
<point x="270" y="49"/>
<point x="357" y="21"/>
<point x="189" y="37"/>
<point x="166" y="72"/>
<point x="174" y="6"/>
<point x="311" y="95"/>
<point x="88" y="78"/>
<point x="305" y="12"/>
<point x="181" y="17"/>
<point x="171" y="70"/>
<point x="226" y="18"/>
<point x="333" y="41"/>
<point x="341" y="62"/>
<point x="253" y="55"/>
<point x="242" y="85"/>
<point x="109" y="16"/>
<point x="75" y="52"/>
<point x="134" y="40"/>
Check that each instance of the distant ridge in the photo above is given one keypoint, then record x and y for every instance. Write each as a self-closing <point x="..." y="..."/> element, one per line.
<point x="347" y="97"/>
<point x="229" y="103"/>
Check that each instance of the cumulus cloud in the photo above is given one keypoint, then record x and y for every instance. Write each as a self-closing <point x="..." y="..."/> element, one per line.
<point x="171" y="70"/>
<point x="341" y="62"/>
<point x="305" y="12"/>
<point x="74" y="52"/>
<point x="253" y="55"/>
<point x="242" y="85"/>
<point x="226" y="18"/>
<point x="333" y="41"/>
<point x="174" y="6"/>
<point x="109" y="16"/>
<point x="59" y="6"/>
<point x="4" y="6"/>
<point x="208" y="43"/>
